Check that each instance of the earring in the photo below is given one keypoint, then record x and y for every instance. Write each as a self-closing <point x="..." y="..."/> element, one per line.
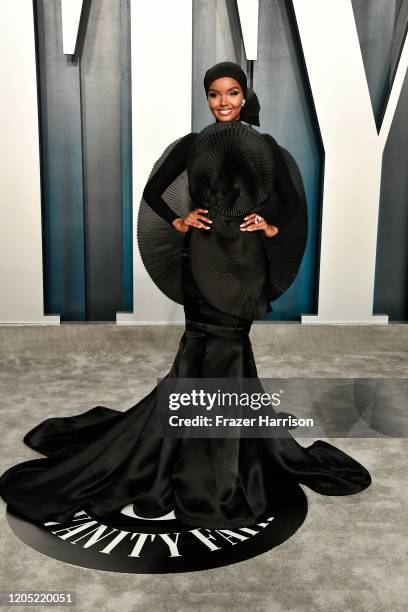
<point x="243" y="103"/>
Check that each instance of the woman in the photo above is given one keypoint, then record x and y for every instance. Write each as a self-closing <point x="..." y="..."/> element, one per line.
<point x="104" y="459"/>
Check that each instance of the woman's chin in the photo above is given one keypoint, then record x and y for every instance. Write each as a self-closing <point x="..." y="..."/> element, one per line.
<point x="225" y="117"/>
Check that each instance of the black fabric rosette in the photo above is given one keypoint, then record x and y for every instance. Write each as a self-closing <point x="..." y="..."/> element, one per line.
<point x="285" y="251"/>
<point x="231" y="172"/>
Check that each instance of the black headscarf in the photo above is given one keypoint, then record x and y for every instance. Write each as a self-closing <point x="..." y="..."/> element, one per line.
<point x="250" y="111"/>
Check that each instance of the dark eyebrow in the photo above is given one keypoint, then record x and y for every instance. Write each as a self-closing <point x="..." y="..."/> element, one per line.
<point x="217" y="90"/>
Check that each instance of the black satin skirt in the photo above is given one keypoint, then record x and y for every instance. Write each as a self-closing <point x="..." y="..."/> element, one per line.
<point x="103" y="459"/>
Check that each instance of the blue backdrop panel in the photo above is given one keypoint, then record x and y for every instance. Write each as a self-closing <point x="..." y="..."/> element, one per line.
<point x="101" y="105"/>
<point x="61" y="155"/>
<point x="287" y="113"/>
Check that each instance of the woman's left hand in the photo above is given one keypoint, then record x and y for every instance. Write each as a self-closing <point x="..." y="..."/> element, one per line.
<point x="254" y="222"/>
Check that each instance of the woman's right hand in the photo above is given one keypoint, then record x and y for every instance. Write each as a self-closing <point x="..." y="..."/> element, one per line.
<point x="193" y="220"/>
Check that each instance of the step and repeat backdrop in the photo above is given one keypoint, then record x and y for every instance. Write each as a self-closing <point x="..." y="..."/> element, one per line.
<point x="94" y="91"/>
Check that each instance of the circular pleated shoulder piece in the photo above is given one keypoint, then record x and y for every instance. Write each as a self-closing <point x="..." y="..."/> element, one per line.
<point x="230" y="168"/>
<point x="286" y="250"/>
<point x="160" y="245"/>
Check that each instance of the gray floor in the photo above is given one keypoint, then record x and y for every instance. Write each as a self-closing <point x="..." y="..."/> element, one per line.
<point x="350" y="554"/>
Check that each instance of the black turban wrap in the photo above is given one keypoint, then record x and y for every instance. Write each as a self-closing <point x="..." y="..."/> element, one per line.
<point x="249" y="112"/>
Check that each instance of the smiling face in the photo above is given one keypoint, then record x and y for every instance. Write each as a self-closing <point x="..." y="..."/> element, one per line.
<point x="225" y="97"/>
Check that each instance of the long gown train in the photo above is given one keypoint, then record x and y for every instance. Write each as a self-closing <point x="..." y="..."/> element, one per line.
<point x="104" y="459"/>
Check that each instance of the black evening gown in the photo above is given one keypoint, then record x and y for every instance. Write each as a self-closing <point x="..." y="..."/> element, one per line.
<point x="103" y="459"/>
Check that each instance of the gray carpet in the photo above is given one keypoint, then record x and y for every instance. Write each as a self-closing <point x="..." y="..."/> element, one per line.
<point x="350" y="554"/>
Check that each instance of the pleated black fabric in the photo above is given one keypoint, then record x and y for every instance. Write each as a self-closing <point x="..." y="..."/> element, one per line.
<point x="103" y="459"/>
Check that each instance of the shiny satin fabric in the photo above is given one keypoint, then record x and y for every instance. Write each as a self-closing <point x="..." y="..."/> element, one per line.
<point x="103" y="459"/>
